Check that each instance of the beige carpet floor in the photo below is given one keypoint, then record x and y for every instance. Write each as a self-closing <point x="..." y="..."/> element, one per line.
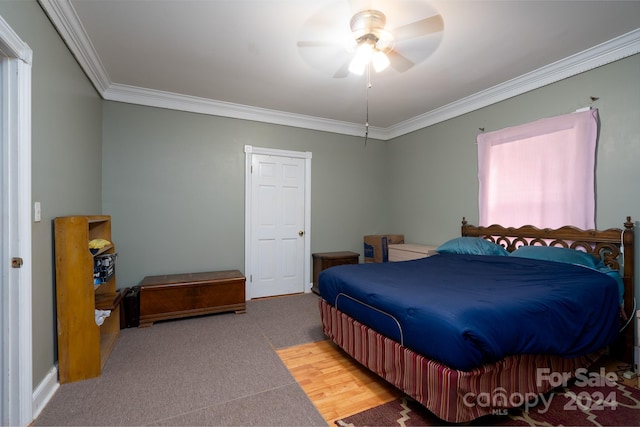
<point x="216" y="370"/>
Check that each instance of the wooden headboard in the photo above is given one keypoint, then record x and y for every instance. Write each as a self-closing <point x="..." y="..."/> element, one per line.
<point x="614" y="246"/>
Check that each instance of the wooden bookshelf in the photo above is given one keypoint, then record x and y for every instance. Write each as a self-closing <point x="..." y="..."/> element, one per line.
<point x="83" y="346"/>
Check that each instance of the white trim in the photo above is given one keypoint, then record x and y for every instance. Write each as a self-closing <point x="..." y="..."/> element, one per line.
<point x="45" y="391"/>
<point x="275" y="152"/>
<point x="66" y="20"/>
<point x="605" y="53"/>
<point x="194" y="104"/>
<point x="249" y="150"/>
<point x="24" y="232"/>
<point x="70" y="28"/>
<point x="11" y="46"/>
<point x="16" y="302"/>
<point x="613" y="50"/>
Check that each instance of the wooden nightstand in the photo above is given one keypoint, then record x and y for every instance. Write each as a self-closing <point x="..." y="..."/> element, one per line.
<point x="324" y="260"/>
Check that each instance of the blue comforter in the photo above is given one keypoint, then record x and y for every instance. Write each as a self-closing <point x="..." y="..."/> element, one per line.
<point x="468" y="310"/>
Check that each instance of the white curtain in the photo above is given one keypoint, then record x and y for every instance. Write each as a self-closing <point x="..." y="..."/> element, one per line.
<point x="540" y="173"/>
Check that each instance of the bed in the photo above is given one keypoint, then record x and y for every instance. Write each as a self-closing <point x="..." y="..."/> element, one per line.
<point x="478" y="328"/>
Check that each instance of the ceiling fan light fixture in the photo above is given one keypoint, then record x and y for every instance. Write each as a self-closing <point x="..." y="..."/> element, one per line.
<point x="357" y="67"/>
<point x="367" y="22"/>
<point x="384" y="40"/>
<point x="364" y="54"/>
<point x="380" y="61"/>
<point x="373" y="41"/>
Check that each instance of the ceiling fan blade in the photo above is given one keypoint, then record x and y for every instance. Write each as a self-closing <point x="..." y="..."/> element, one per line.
<point x="316" y="43"/>
<point x="419" y="28"/>
<point x="343" y="71"/>
<point x="399" y="62"/>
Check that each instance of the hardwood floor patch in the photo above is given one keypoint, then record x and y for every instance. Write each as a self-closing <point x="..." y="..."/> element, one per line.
<point x="340" y="387"/>
<point x="336" y="384"/>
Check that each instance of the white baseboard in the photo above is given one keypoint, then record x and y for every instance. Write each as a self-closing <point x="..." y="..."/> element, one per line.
<point x="45" y="391"/>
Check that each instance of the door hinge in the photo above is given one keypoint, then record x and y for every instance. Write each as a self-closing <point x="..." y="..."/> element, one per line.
<point x="16" y="262"/>
<point x="251" y="278"/>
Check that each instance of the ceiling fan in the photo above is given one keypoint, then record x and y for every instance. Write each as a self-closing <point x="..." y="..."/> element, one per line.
<point x="369" y="42"/>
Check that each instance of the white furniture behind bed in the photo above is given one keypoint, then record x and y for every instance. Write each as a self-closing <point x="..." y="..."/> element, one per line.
<point x="409" y="251"/>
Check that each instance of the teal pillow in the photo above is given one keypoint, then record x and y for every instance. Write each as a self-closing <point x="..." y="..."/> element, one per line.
<point x="552" y="253"/>
<point x="471" y="246"/>
<point x="570" y="256"/>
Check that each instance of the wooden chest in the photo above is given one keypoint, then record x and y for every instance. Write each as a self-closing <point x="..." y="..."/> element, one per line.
<point x="182" y="295"/>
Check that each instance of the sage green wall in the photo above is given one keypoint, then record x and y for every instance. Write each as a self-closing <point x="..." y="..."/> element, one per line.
<point x="435" y="183"/>
<point x="66" y="158"/>
<point x="173" y="183"/>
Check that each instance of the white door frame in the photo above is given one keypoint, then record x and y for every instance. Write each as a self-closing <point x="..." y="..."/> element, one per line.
<point x="16" y="401"/>
<point x="306" y="155"/>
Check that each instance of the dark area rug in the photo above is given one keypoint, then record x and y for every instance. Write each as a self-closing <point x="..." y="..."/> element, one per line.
<point x="592" y="402"/>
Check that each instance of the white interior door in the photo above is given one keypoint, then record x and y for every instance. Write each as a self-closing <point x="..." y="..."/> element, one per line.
<point x="278" y="215"/>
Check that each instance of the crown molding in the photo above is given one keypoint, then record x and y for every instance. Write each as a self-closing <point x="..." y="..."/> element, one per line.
<point x="613" y="50"/>
<point x="193" y="104"/>
<point x="66" y="21"/>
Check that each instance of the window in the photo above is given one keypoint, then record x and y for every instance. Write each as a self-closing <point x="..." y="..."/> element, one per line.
<point x="541" y="173"/>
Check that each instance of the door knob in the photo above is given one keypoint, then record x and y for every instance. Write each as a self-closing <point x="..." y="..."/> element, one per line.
<point x="300" y="233"/>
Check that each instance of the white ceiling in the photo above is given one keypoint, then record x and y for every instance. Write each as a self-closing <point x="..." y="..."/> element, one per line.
<point x="240" y="58"/>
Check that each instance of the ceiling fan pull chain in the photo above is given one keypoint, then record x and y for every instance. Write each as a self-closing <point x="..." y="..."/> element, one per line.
<point x="366" y="122"/>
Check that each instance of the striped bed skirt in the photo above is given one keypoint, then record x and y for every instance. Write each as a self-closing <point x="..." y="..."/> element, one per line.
<point x="452" y="395"/>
